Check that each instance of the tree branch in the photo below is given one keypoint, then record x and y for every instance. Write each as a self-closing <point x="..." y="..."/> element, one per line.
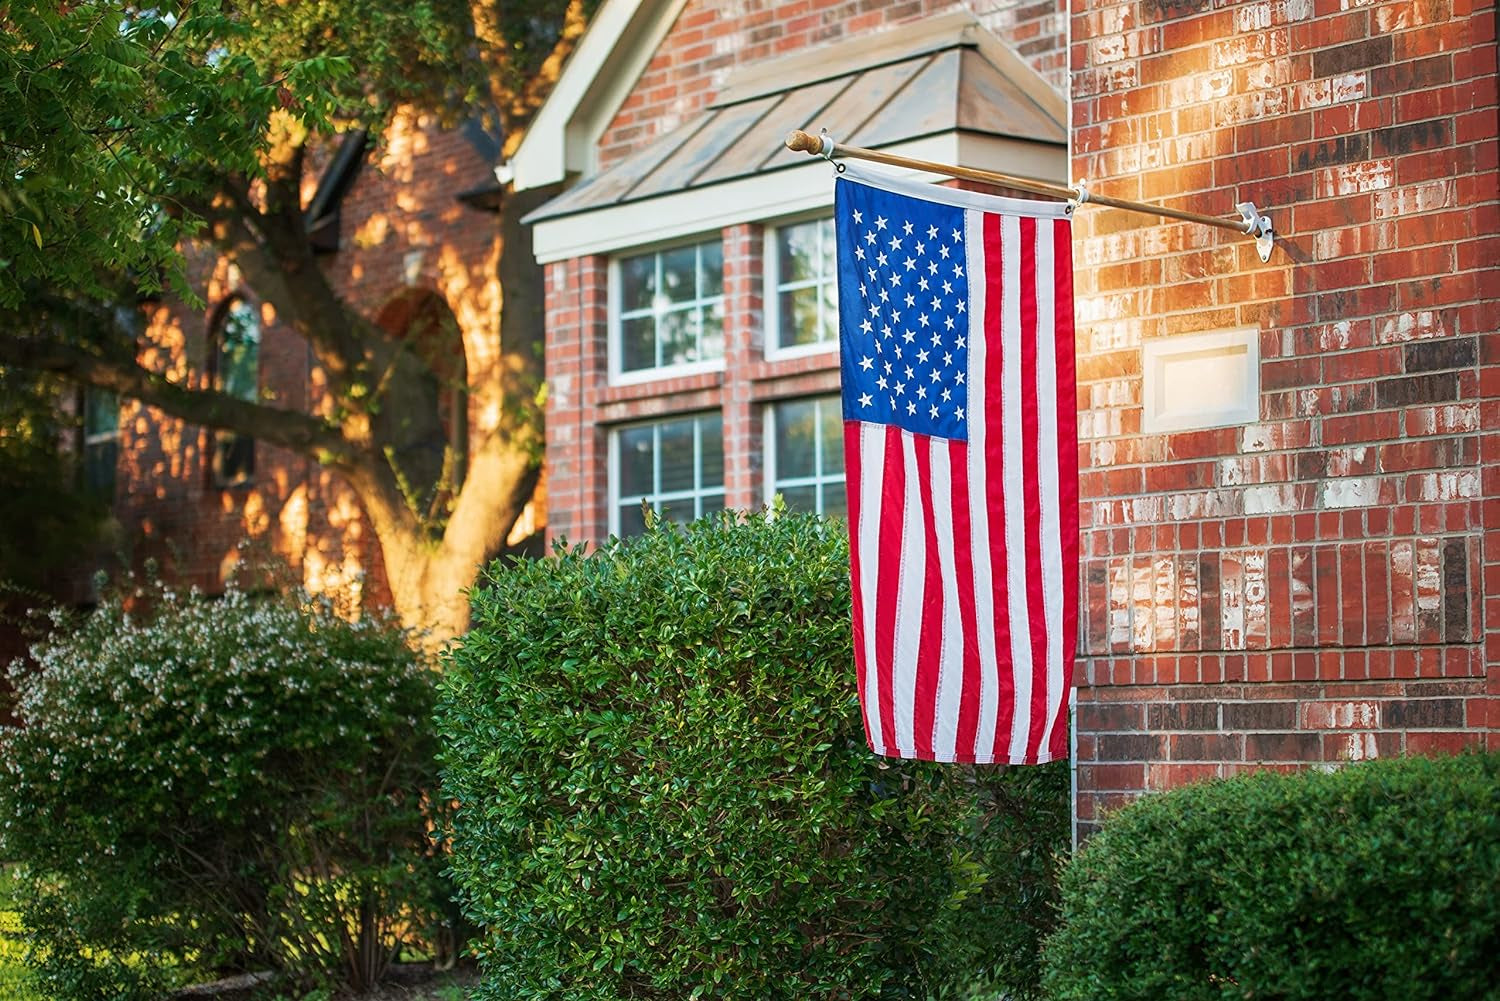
<point x="286" y="428"/>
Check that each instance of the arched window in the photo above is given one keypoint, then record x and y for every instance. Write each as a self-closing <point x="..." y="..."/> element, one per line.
<point x="235" y="360"/>
<point x="424" y="321"/>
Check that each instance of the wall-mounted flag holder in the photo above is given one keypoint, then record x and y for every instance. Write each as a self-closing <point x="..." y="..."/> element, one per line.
<point x="1250" y="221"/>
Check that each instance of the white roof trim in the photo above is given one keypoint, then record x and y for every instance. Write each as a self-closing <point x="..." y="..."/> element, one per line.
<point x="619" y="43"/>
<point x="771" y="195"/>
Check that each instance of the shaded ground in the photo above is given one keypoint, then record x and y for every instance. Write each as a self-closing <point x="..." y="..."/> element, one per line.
<point x="422" y="984"/>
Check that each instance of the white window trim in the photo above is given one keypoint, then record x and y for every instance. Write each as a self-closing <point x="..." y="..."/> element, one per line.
<point x="769" y="485"/>
<point x="771" y="295"/>
<point x="696" y="494"/>
<point x="617" y="375"/>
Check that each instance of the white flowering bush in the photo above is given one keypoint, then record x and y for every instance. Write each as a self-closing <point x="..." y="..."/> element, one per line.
<point x="219" y="786"/>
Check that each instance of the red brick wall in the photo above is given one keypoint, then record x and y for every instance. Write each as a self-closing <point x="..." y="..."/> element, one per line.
<point x="712" y="38"/>
<point x="401" y="228"/>
<point x="1321" y="584"/>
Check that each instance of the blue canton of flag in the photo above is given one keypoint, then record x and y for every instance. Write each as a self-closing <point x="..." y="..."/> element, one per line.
<point x="903" y="325"/>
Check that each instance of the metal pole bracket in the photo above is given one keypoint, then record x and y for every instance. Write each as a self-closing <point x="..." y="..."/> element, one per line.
<point x="1258" y="226"/>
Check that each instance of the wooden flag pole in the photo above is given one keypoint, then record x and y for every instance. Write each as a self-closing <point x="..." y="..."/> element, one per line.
<point x="1249" y="222"/>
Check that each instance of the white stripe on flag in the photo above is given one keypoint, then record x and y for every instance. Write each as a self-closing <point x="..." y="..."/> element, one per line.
<point x="950" y="678"/>
<point x="1014" y="486"/>
<point x="1047" y="472"/>
<point x="909" y="600"/>
<point x="979" y="531"/>
<point x="871" y="478"/>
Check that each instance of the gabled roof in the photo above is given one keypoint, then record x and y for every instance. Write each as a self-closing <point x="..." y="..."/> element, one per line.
<point x="943" y="75"/>
<point x="619" y="42"/>
<point x="942" y="89"/>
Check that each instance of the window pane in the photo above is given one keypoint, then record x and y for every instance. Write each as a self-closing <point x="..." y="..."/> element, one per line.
<point x="101" y="412"/>
<point x="632" y="520"/>
<point x="239" y="352"/>
<point x="796" y="431"/>
<point x="799" y="318"/>
<point x="637" y="282"/>
<point x="828" y="249"/>
<point x="712" y="435"/>
<point x="829" y="318"/>
<point x="800" y="498"/>
<point x="711" y="346"/>
<point x="636" y="462"/>
<point x="713" y="270"/>
<point x="835" y="499"/>
<point x="831" y="422"/>
<point x="678" y="338"/>
<point x="677" y="465"/>
<point x="100" y="460"/>
<point x="234" y="458"/>
<point x="637" y="344"/>
<point x="797" y="248"/>
<point x="712" y="503"/>
<point x="679" y="274"/>
<point x="680" y="511"/>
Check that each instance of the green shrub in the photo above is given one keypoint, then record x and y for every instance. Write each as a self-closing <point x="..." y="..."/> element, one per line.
<point x="217" y="787"/>
<point x="14" y="981"/>
<point x="666" y="792"/>
<point x="1378" y="881"/>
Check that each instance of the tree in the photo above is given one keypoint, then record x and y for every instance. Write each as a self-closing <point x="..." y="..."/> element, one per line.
<point x="130" y="134"/>
<point x="48" y="519"/>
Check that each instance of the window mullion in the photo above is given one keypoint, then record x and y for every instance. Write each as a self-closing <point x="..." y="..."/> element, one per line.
<point x="656" y="468"/>
<point x="697" y="466"/>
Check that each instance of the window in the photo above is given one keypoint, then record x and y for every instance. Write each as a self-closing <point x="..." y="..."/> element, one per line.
<point x="805" y="455"/>
<point x="236" y="373"/>
<point x="801" y="259"/>
<point x="670" y="309"/>
<point x="101" y="440"/>
<point x="675" y="466"/>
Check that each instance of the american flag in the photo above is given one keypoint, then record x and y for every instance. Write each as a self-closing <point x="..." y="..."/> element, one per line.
<point x="960" y="443"/>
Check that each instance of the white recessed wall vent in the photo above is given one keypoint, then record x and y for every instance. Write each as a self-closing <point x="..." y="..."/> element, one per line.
<point x="1201" y="380"/>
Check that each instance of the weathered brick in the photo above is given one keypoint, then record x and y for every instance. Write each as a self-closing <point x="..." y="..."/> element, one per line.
<point x="1182" y="716"/>
<point x="1246" y="716"/>
<point x="1426" y="714"/>
<point x="1353" y="56"/>
<point x="1438" y="387"/>
<point x="1283" y="747"/>
<point x="1444" y="353"/>
<point x="1130" y="747"/>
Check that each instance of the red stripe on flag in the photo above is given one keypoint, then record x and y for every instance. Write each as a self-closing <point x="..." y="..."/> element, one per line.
<point x="930" y="653"/>
<point x="888" y="581"/>
<point x="998" y="742"/>
<point x="963" y="542"/>
<point x="1067" y="466"/>
<point x="851" y="491"/>
<point x="1036" y="606"/>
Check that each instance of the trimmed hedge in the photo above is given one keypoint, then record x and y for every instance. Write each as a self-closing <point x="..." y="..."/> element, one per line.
<point x="1381" y="880"/>
<point x="666" y="792"/>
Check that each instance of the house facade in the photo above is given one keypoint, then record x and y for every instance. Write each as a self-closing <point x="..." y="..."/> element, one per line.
<point x="1287" y="481"/>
